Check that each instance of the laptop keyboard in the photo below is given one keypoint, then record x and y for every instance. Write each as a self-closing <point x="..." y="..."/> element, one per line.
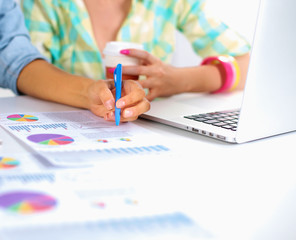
<point x="223" y="119"/>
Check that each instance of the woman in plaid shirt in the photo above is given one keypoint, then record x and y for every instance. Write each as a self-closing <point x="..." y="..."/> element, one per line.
<point x="73" y="34"/>
<point x="25" y="71"/>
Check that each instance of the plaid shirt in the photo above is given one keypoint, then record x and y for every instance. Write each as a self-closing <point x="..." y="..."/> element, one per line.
<point x="62" y="31"/>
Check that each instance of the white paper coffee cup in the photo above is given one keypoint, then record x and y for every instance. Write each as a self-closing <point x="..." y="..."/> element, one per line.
<point x="112" y="57"/>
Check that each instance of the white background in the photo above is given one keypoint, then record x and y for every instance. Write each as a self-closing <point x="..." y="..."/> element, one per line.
<point x="238" y="14"/>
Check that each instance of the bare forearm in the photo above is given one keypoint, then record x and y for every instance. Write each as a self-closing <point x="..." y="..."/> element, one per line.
<point x="43" y="80"/>
<point x="196" y="79"/>
<point x="205" y="78"/>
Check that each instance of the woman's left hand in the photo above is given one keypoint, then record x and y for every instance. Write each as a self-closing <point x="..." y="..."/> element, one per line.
<point x="160" y="78"/>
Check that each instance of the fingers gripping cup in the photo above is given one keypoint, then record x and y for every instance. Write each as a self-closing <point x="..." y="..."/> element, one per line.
<point x="112" y="57"/>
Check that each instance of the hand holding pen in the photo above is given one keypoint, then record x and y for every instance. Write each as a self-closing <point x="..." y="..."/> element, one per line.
<point x="131" y="104"/>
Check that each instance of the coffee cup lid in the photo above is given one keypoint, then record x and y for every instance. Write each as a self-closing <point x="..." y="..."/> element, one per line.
<point x="113" y="48"/>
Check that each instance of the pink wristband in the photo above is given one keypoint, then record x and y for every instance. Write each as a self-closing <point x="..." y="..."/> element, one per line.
<point x="227" y="66"/>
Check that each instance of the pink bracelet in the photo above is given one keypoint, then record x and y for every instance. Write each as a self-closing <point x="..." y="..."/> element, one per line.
<point x="229" y="73"/>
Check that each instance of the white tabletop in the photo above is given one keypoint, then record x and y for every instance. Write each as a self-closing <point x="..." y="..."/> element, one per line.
<point x="235" y="191"/>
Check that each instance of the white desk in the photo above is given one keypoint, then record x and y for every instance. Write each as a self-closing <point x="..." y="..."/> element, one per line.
<point x="245" y="191"/>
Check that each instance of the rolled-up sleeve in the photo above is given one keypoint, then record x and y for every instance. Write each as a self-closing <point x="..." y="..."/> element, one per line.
<point x="16" y="50"/>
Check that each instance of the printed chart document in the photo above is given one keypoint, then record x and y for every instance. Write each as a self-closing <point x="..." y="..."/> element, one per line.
<point x="59" y="136"/>
<point x="114" y="199"/>
<point x="82" y="204"/>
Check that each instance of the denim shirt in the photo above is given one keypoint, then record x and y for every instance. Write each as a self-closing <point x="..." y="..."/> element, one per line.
<point x="16" y="50"/>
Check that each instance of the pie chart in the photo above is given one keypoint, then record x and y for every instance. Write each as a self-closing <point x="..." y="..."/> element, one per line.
<point x="50" y="139"/>
<point x="8" y="163"/>
<point x="25" y="202"/>
<point x="22" y="118"/>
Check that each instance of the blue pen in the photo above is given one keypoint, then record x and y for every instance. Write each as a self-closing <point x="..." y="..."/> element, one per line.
<point x="118" y="84"/>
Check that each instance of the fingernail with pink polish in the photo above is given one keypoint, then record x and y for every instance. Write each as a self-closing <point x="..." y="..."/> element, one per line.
<point x="111" y="70"/>
<point x="109" y="116"/>
<point x="128" y="113"/>
<point x="109" y="104"/>
<point x="125" y="51"/>
<point x="120" y="104"/>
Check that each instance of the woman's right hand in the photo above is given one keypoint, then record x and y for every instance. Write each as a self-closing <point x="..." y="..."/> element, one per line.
<point x="132" y="103"/>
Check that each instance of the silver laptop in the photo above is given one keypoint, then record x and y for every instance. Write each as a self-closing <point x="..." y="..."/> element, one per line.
<point x="267" y="105"/>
